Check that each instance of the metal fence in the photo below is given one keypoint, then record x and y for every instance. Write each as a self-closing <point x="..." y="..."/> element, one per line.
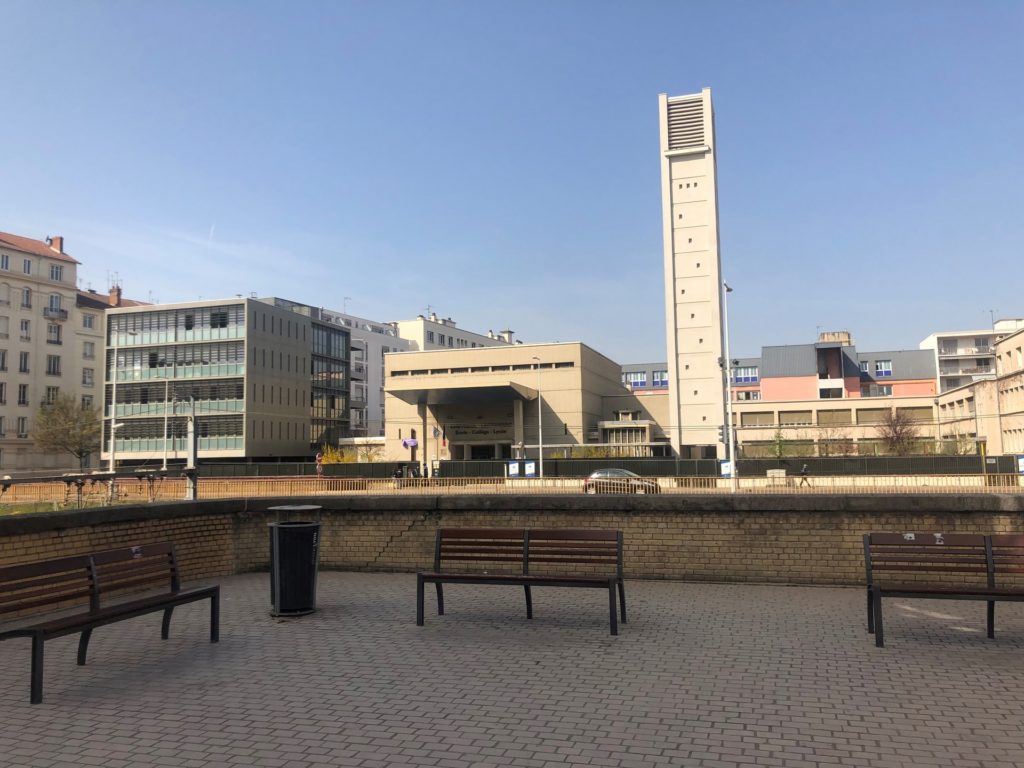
<point x="131" y="490"/>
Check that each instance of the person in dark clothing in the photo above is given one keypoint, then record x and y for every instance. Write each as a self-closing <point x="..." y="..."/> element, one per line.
<point x="803" y="477"/>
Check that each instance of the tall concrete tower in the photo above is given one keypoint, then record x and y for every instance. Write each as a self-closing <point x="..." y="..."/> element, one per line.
<point x="693" y="279"/>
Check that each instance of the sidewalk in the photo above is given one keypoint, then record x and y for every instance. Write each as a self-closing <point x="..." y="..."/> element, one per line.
<point x="711" y="675"/>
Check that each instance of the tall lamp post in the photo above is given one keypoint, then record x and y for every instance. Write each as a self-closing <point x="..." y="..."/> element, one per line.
<point x="540" y="421"/>
<point x="729" y="453"/>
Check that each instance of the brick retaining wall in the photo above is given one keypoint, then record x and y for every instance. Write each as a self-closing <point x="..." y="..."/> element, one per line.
<point x="790" y="539"/>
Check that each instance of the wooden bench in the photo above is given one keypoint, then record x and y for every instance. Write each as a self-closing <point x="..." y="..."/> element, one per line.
<point x="584" y="558"/>
<point x="65" y="584"/>
<point x="937" y="566"/>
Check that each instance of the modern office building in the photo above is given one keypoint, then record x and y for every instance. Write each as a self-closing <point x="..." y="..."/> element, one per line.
<point x="257" y="377"/>
<point x="51" y="342"/>
<point x="962" y="357"/>
<point x="693" y="278"/>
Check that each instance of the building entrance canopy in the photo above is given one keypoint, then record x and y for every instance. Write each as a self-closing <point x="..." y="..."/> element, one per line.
<point x="457" y="395"/>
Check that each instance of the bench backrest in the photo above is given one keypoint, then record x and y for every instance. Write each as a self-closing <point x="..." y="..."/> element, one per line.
<point x="591" y="550"/>
<point x="461" y="546"/>
<point x="1007" y="552"/>
<point x="63" y="582"/>
<point x="136" y="569"/>
<point x="928" y="557"/>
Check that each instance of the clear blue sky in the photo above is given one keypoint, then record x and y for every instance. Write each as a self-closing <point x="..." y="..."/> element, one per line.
<point x="499" y="161"/>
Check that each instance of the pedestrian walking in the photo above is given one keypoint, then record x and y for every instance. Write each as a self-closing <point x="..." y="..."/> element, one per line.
<point x="803" y="477"/>
<point x="319" y="464"/>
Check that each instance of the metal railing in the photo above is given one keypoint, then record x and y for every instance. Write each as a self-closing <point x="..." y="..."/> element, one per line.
<point x="153" y="488"/>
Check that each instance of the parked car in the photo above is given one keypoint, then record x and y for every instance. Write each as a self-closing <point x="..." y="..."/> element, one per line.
<point x="619" y="481"/>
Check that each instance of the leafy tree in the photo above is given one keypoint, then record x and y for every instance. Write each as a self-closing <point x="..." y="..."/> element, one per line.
<point x="898" y="432"/>
<point x="65" y="426"/>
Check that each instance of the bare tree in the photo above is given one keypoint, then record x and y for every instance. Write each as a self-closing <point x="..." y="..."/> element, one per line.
<point x="834" y="441"/>
<point x="899" y="433"/>
<point x="66" y="427"/>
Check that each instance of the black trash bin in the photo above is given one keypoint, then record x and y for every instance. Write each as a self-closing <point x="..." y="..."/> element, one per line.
<point x="294" y="558"/>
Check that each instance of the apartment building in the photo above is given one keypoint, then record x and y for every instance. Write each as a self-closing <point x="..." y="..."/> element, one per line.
<point x="825" y="398"/>
<point x="259" y="379"/>
<point x="50" y="342"/>
<point x="963" y="357"/>
<point x="370" y="341"/>
<point x="988" y="413"/>
<point x="693" y="275"/>
<point x="433" y="332"/>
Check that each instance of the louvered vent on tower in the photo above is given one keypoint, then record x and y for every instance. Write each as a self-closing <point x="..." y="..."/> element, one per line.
<point x="686" y="123"/>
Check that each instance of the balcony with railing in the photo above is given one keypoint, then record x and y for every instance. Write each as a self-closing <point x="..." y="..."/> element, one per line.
<point x="51" y="313"/>
<point x="216" y="370"/>
<point x="179" y="408"/>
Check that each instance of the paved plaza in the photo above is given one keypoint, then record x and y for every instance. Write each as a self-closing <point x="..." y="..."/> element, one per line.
<point x="711" y="675"/>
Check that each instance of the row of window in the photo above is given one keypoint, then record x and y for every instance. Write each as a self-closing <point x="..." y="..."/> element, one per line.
<point x="22" y="393"/>
<point x="21" y="426"/>
<point x="56" y="270"/>
<point x="483" y="369"/>
<point x="637" y="379"/>
<point x="450" y="341"/>
<point x="882" y="367"/>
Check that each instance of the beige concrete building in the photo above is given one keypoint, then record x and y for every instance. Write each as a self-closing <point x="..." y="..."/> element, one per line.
<point x="483" y="403"/>
<point x="693" y="279"/>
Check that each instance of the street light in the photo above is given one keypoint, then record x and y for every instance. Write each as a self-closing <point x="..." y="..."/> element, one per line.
<point x="540" y="420"/>
<point x="728" y="391"/>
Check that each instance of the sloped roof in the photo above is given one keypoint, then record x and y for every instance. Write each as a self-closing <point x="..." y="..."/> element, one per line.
<point x="37" y="247"/>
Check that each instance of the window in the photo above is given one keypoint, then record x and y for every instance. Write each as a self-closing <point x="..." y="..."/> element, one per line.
<point x="56" y="272"/>
<point x="3" y="393"/>
<point x="26" y="266"/>
<point x="23" y="362"/>
<point x="746" y="374"/>
<point x="981" y="344"/>
<point x="635" y="378"/>
<point x="4" y="327"/>
<point x="54" y="303"/>
<point x="440" y="339"/>
<point x="53" y="365"/>
<point x="25" y="326"/>
<point x="3" y="432"/>
<point x="876" y="390"/>
<point x="88" y="321"/>
<point x="5" y="262"/>
<point x="23" y="426"/>
<point x="87" y="377"/>
<point x="52" y="333"/>
<point x="3" y="359"/>
<point x="219" y="319"/>
<point x="752" y="395"/>
<point x="88" y="350"/>
<point x="659" y="379"/>
<point x="883" y="368"/>
<point x="86" y="402"/>
<point x="51" y="395"/>
<point x="865" y="366"/>
<point x="430" y="336"/>
<point x="26" y="298"/>
<point x="451" y="341"/>
<point x="23" y="394"/>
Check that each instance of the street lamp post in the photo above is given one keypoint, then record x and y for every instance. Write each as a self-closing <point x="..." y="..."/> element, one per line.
<point x="540" y="421"/>
<point x="729" y="453"/>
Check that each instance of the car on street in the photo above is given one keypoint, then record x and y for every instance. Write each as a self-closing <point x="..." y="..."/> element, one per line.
<point x="619" y="481"/>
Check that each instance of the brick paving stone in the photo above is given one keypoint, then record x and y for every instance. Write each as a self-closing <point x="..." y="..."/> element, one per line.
<point x="704" y="675"/>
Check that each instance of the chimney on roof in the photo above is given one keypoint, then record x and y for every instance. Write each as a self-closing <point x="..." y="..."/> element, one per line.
<point x="115" y="296"/>
<point x="490" y="334"/>
<point x="56" y="242"/>
<point x="507" y="335"/>
<point x="433" y="317"/>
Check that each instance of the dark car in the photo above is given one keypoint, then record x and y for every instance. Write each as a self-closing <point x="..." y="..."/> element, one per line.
<point x="619" y="481"/>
